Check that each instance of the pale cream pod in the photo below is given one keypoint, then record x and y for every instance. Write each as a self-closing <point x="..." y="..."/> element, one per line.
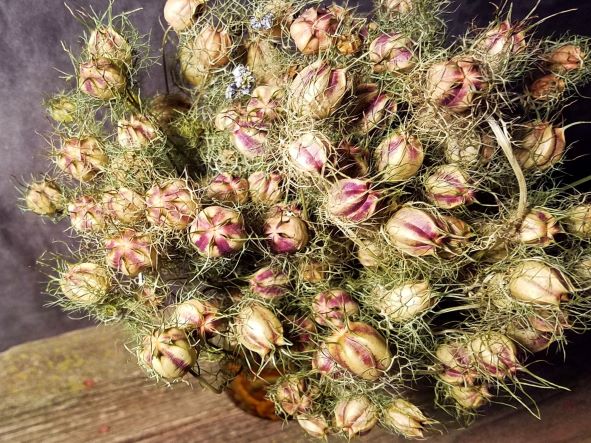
<point x="44" y="198"/>
<point x="168" y="352"/>
<point x="315" y="425"/>
<point x="403" y="303"/>
<point x="355" y="416"/>
<point x="397" y="6"/>
<point x="318" y="89"/>
<point x="399" y="157"/>
<point x="565" y="58"/>
<point x="578" y="220"/>
<point x="538" y="228"/>
<point x="405" y="418"/>
<point x="470" y="397"/>
<point x="533" y="281"/>
<point x="541" y="146"/>
<point x="495" y="354"/>
<point x="360" y="349"/>
<point x="85" y="283"/>
<point x="265" y="188"/>
<point x="180" y="14"/>
<point x="313" y="30"/>
<point x="258" y="329"/>
<point x="105" y="42"/>
<point x="136" y="132"/>
<point x="123" y="205"/>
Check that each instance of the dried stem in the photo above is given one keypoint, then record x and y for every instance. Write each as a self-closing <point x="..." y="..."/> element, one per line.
<point x="502" y="136"/>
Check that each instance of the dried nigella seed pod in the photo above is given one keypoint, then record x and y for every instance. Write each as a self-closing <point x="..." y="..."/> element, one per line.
<point x="565" y="58"/>
<point x="102" y="79"/>
<point x="405" y="418"/>
<point x="396" y="7"/>
<point x="355" y="416"/>
<point x="292" y="395"/>
<point x="547" y="87"/>
<point x="352" y="200"/>
<point x="315" y="425"/>
<point x="578" y="220"/>
<point x="533" y="281"/>
<point x="538" y="228"/>
<point x="495" y="354"/>
<point x="416" y="232"/>
<point x="470" y="397"/>
<point x="82" y="158"/>
<point x="85" y="283"/>
<point x="106" y="43"/>
<point x="86" y="214"/>
<point x="44" y="198"/>
<point x="456" y="84"/>
<point x="403" y="303"/>
<point x="448" y="187"/>
<point x="228" y="189"/>
<point x="269" y="283"/>
<point x="285" y="230"/>
<point x="313" y="30"/>
<point x="168" y="352"/>
<point x="258" y="329"/>
<point x="502" y="39"/>
<point x="334" y="307"/>
<point x="360" y="349"/>
<point x="399" y="156"/>
<point x="170" y="204"/>
<point x="318" y="89"/>
<point x="392" y="53"/>
<point x="123" y="205"/>
<point x="180" y="14"/>
<point x="310" y="152"/>
<point x="136" y="132"/>
<point x="218" y="232"/>
<point x="265" y="187"/>
<point x="130" y="253"/>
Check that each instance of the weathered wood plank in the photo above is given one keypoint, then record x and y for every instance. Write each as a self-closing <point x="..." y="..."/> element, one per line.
<point x="83" y="386"/>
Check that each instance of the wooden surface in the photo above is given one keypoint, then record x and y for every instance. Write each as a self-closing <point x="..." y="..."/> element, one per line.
<point x="84" y="387"/>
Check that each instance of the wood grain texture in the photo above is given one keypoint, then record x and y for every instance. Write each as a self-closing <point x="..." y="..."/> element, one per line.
<point x="84" y="387"/>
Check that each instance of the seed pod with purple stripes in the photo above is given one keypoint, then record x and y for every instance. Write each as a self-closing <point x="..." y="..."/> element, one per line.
<point x="218" y="232"/>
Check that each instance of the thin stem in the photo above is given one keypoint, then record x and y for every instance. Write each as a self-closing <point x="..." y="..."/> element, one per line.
<point x="578" y="182"/>
<point x="502" y="137"/>
<point x="205" y="383"/>
<point x="164" y="66"/>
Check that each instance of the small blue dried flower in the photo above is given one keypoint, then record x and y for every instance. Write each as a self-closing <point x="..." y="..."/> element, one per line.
<point x="262" y="24"/>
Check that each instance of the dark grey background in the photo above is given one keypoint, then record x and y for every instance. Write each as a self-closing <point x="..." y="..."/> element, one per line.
<point x="30" y="53"/>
